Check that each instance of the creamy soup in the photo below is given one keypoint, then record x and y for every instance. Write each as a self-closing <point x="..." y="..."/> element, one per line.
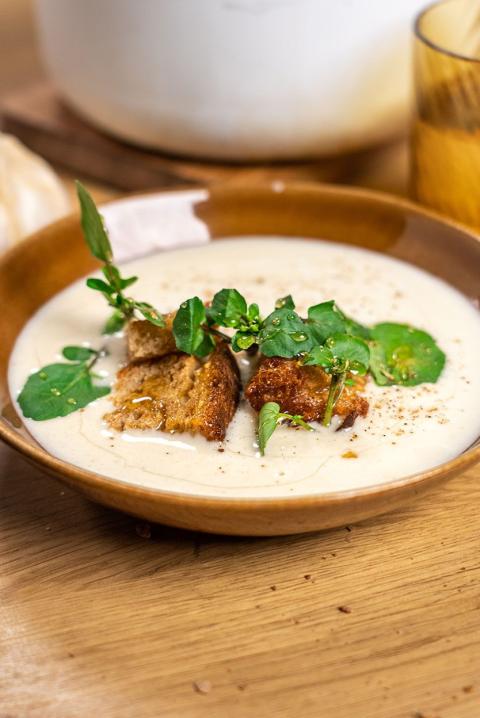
<point x="407" y="429"/>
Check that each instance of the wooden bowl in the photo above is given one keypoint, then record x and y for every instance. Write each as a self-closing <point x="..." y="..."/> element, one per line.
<point x="54" y="257"/>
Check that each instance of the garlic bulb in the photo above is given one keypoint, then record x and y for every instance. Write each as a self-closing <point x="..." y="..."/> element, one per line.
<point x="31" y="195"/>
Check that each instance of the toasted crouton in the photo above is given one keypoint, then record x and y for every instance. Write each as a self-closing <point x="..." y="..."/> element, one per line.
<point x="178" y="392"/>
<point x="303" y="390"/>
<point x="146" y="341"/>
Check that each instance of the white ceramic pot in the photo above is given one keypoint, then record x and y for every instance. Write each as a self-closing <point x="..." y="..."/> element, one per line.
<point x="234" y="79"/>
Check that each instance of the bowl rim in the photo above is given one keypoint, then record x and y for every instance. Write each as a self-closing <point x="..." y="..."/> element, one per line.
<point x="83" y="477"/>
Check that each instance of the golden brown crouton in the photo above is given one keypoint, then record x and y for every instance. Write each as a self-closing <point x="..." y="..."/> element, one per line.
<point x="303" y="390"/>
<point x="146" y="341"/>
<point x="178" y="392"/>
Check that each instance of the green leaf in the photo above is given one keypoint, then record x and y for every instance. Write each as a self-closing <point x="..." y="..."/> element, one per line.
<point x="327" y="319"/>
<point x="93" y="227"/>
<point x="285" y="302"/>
<point x="357" y="330"/>
<point x="401" y="354"/>
<point x="284" y="334"/>
<point x="189" y="335"/>
<point x="78" y="353"/>
<point x="339" y="354"/>
<point x="150" y="313"/>
<point x="97" y="239"/>
<point x="319" y="356"/>
<point x="206" y="346"/>
<point x="350" y="353"/>
<point x="58" y="390"/>
<point x="270" y="417"/>
<point x="242" y="341"/>
<point x="99" y="285"/>
<point x="253" y="313"/>
<point x="267" y="423"/>
<point x="228" y="308"/>
<point x="115" y="323"/>
<point x="113" y="276"/>
<point x="124" y="283"/>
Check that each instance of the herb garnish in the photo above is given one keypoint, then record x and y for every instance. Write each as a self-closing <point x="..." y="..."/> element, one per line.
<point x="340" y="355"/>
<point x="229" y="309"/>
<point x="113" y="288"/>
<point x="270" y="417"/>
<point x="194" y="326"/>
<point x="401" y="354"/>
<point x="284" y="333"/>
<point x="392" y="353"/>
<point x="59" y="389"/>
<point x="189" y="328"/>
<point x="327" y="319"/>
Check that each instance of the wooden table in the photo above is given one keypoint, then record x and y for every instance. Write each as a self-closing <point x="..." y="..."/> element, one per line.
<point x="100" y="615"/>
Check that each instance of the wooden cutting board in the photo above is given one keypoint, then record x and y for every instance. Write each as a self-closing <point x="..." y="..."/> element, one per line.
<point x="38" y="118"/>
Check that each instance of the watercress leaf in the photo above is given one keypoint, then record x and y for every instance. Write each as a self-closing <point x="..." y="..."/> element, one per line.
<point x="58" y="390"/>
<point x="319" y="356"/>
<point x="99" y="285"/>
<point x="327" y="319"/>
<point x="356" y="329"/>
<point x="267" y="422"/>
<point x="285" y="302"/>
<point x="228" y="308"/>
<point x="93" y="227"/>
<point x="78" y="353"/>
<point x="352" y="353"/>
<point x="284" y="334"/>
<point x="242" y="341"/>
<point x="124" y="283"/>
<point x="401" y="354"/>
<point x="189" y="335"/>
<point x="253" y="313"/>
<point x="206" y="346"/>
<point x="150" y="313"/>
<point x="115" y="323"/>
<point x="113" y="276"/>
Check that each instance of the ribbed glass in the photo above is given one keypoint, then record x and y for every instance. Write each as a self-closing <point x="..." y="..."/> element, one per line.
<point x="446" y="128"/>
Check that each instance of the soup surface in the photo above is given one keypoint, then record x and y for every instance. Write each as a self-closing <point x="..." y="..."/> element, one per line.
<point x="407" y="429"/>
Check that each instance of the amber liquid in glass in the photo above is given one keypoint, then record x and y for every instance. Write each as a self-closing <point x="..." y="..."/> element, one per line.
<point x="446" y="148"/>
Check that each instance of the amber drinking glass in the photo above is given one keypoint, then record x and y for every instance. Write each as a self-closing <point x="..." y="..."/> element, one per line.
<point x="446" y="127"/>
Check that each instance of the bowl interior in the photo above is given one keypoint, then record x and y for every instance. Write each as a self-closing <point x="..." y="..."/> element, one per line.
<point x="53" y="258"/>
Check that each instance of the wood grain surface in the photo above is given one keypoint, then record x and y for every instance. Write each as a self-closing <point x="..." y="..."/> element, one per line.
<point x="98" y="619"/>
